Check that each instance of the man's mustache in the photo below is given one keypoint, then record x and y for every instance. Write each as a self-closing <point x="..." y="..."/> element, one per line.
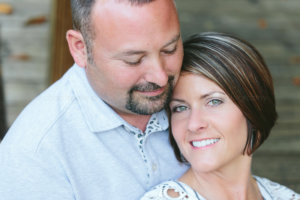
<point x="149" y="87"/>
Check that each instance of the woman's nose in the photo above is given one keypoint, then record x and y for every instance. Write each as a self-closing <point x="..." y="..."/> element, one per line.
<point x="197" y="121"/>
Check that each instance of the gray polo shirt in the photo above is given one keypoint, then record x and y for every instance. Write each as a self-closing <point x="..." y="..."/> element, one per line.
<point x="68" y="144"/>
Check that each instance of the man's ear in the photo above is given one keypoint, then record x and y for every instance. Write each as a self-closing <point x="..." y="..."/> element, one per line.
<point x="77" y="47"/>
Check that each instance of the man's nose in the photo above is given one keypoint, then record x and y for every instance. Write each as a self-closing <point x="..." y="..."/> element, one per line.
<point x="156" y="72"/>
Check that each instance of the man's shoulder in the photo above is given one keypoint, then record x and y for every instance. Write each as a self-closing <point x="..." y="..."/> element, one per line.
<point x="41" y="114"/>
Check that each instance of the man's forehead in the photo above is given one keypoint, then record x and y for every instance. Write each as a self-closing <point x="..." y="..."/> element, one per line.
<point x="116" y="18"/>
<point x="103" y="2"/>
<point x="131" y="2"/>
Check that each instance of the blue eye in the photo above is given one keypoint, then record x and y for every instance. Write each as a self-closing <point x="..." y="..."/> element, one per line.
<point x="178" y="109"/>
<point x="215" y="102"/>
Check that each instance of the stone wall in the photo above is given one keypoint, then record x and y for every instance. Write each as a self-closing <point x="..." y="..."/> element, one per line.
<point x="25" y="33"/>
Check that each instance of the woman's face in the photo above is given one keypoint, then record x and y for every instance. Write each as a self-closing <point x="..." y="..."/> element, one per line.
<point x="210" y="130"/>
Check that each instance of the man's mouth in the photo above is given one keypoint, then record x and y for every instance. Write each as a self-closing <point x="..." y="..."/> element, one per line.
<point x="155" y="92"/>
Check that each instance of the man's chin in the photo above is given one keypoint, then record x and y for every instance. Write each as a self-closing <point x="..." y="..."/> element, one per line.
<point x="147" y="107"/>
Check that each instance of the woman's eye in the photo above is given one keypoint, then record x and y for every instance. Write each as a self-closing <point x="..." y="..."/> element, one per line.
<point x="178" y="109"/>
<point x="215" y="102"/>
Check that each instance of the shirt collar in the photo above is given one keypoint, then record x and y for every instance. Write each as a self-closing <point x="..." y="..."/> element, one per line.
<point x="157" y="122"/>
<point x="98" y="115"/>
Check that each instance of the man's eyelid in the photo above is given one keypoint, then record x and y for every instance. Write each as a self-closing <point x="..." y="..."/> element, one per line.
<point x="170" y="49"/>
<point x="174" y="41"/>
<point x="132" y="60"/>
<point x="172" y="45"/>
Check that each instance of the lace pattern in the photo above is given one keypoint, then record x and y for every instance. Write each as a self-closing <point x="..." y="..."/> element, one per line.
<point x="270" y="191"/>
<point x="160" y="192"/>
<point x="274" y="191"/>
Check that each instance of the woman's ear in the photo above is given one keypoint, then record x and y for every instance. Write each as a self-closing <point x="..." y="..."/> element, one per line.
<point x="77" y="47"/>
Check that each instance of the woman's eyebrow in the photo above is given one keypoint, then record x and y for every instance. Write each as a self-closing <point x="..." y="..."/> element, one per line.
<point x="179" y="100"/>
<point x="201" y="97"/>
<point x="211" y="93"/>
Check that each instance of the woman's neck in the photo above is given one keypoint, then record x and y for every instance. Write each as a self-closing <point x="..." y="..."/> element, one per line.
<point x="232" y="182"/>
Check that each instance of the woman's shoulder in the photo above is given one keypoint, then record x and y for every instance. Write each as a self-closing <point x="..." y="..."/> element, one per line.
<point x="275" y="190"/>
<point x="171" y="190"/>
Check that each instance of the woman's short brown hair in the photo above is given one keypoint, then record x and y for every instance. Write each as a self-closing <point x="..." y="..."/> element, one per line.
<point x="239" y="69"/>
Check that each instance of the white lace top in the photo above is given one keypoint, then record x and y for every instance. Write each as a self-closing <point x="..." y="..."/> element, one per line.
<point x="268" y="189"/>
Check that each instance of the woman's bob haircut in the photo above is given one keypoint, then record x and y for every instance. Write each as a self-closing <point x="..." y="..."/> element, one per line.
<point x="240" y="71"/>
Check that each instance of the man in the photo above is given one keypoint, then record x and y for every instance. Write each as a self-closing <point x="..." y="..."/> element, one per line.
<point x="100" y="132"/>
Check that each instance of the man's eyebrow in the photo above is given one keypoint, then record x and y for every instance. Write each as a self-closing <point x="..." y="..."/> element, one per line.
<point x="173" y="40"/>
<point x="129" y="53"/>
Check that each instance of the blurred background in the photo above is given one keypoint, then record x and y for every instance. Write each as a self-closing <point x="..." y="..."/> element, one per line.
<point x="34" y="53"/>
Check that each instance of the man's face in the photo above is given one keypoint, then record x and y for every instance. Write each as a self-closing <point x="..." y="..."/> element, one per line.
<point x="137" y="54"/>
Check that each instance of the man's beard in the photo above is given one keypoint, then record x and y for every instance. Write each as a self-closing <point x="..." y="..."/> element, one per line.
<point x="148" y="105"/>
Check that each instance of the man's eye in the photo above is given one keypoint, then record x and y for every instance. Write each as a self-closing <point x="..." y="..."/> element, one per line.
<point x="215" y="102"/>
<point x="178" y="109"/>
<point x="132" y="62"/>
<point x="170" y="51"/>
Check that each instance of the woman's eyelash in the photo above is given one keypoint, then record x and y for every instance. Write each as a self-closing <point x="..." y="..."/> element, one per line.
<point x="215" y="102"/>
<point x="177" y="109"/>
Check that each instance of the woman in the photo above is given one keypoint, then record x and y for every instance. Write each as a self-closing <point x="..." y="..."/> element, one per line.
<point x="222" y="110"/>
